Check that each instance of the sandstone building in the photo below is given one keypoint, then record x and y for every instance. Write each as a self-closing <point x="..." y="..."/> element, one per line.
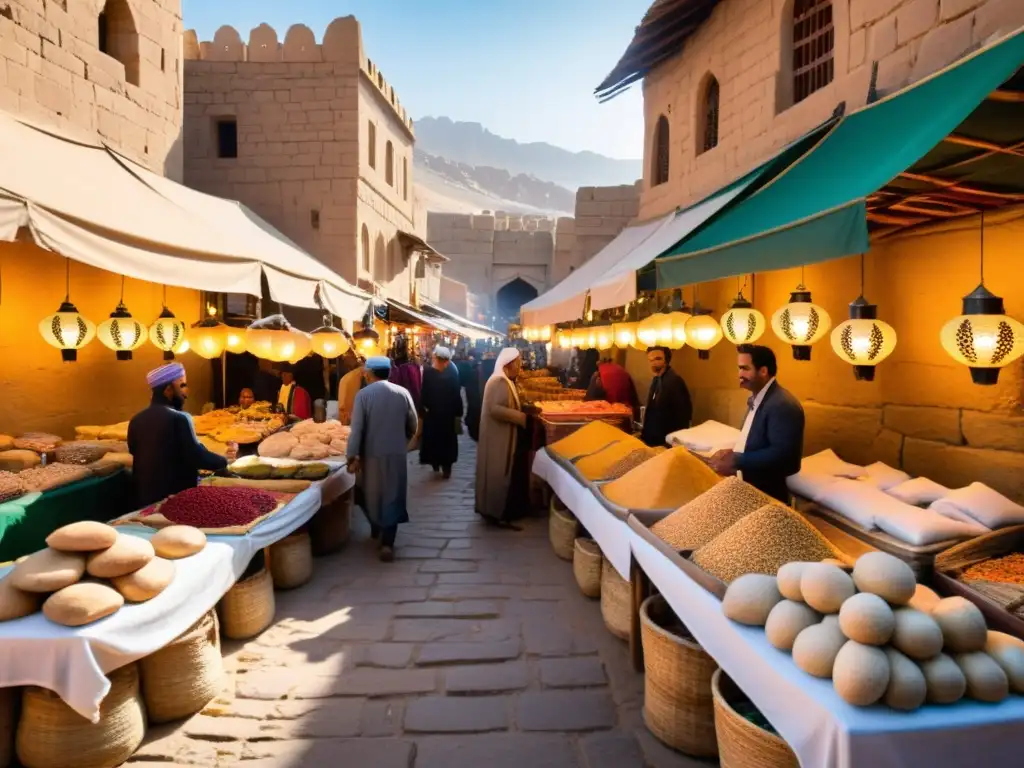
<point x="732" y="98"/>
<point x="114" y="69"/>
<point x="314" y="139"/>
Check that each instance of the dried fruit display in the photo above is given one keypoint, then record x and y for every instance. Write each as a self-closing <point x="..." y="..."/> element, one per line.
<point x="52" y="476"/>
<point x="40" y="442"/>
<point x="213" y="507"/>
<point x="83" y="451"/>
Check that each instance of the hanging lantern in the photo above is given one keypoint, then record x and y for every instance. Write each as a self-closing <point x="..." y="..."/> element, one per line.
<point x="167" y="333"/>
<point x="121" y="332"/>
<point x="702" y="332"/>
<point x="183" y="346"/>
<point x="801" y="323"/>
<point x="604" y="337"/>
<point x="301" y="346"/>
<point x="742" y="324"/>
<point x="563" y="338"/>
<point x="624" y="334"/>
<point x="207" y="338"/>
<point x="234" y="339"/>
<point x="656" y="330"/>
<point x="984" y="337"/>
<point x="328" y="342"/>
<point x="592" y="337"/>
<point x="863" y="341"/>
<point x="579" y="338"/>
<point x="273" y="338"/>
<point x="67" y="330"/>
<point x="367" y="339"/>
<point x="544" y="334"/>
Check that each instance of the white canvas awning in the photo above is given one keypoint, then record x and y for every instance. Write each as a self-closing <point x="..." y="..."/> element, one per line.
<point x="467" y="328"/>
<point x="565" y="301"/>
<point x="85" y="201"/>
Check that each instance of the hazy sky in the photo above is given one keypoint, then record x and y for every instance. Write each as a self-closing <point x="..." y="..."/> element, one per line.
<point x="525" y="69"/>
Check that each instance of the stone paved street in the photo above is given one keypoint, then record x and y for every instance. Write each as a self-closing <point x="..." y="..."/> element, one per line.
<point x="474" y="648"/>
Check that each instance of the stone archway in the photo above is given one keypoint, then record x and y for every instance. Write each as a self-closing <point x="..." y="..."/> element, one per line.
<point x="511" y="296"/>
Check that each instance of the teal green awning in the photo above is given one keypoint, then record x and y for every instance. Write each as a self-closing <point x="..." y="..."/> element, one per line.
<point x="816" y="210"/>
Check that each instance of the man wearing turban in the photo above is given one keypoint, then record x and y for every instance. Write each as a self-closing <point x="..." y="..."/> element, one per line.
<point x="166" y="454"/>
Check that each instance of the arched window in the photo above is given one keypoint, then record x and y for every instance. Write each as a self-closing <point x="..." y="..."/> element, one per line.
<point x="389" y="164"/>
<point x="380" y="257"/>
<point x="707" y="136"/>
<point x="365" y="249"/>
<point x="813" y="43"/>
<point x="660" y="152"/>
<point x="119" y="38"/>
<point x="405" y="178"/>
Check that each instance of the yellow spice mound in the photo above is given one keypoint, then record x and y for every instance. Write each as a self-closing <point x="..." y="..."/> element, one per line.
<point x="763" y="542"/>
<point x="614" y="461"/>
<point x="666" y="481"/>
<point x="695" y="524"/>
<point x="587" y="439"/>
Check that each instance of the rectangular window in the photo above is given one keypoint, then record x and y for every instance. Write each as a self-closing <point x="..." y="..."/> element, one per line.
<point x="227" y="137"/>
<point x="314" y="218"/>
<point x="371" y="144"/>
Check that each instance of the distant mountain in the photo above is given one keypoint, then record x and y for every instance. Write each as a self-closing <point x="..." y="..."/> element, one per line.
<point x="447" y="186"/>
<point x="474" y="145"/>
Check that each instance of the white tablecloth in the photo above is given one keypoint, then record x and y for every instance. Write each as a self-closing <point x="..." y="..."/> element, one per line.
<point x="612" y="535"/>
<point x="822" y="729"/>
<point x="73" y="662"/>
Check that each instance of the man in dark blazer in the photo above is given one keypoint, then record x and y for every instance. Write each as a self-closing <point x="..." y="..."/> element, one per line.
<point x="668" y="400"/>
<point x="771" y="444"/>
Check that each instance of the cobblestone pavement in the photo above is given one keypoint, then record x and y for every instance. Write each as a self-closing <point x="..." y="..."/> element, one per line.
<point x="474" y="648"/>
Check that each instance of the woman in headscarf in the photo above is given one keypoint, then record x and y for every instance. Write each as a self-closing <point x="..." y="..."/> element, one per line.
<point x="501" y="453"/>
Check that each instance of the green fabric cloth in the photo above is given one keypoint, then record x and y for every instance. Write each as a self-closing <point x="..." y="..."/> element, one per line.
<point x="816" y="209"/>
<point x="26" y="522"/>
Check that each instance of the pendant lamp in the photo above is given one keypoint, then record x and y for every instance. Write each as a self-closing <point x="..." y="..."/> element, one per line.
<point x="702" y="332"/>
<point x="742" y="324"/>
<point x="801" y="323"/>
<point x="208" y="338"/>
<point x="604" y="337"/>
<point x="167" y="332"/>
<point x="563" y="338"/>
<point x="367" y="339"/>
<point x="273" y="338"/>
<point x="863" y="341"/>
<point x="67" y="329"/>
<point x="234" y="339"/>
<point x="983" y="337"/>
<point x="121" y="332"/>
<point x="328" y="342"/>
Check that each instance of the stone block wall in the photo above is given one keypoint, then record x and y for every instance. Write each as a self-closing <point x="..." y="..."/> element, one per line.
<point x="746" y="46"/>
<point x="324" y="147"/>
<point x="52" y="70"/>
<point x="454" y="296"/>
<point x="922" y="412"/>
<point x="601" y="214"/>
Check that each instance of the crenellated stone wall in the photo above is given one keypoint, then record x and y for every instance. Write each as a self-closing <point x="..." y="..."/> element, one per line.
<point x="324" y="147"/>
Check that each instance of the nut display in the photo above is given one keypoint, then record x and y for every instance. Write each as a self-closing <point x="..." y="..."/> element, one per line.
<point x="11" y="486"/>
<point x="52" y="476"/>
<point x="40" y="442"/>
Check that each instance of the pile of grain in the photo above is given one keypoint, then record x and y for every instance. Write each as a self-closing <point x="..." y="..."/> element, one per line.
<point x="614" y="460"/>
<point x="666" y="481"/>
<point x="695" y="524"/>
<point x="586" y="440"/>
<point x="763" y="542"/>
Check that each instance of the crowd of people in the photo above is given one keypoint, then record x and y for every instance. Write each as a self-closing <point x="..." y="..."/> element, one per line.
<point x="394" y="406"/>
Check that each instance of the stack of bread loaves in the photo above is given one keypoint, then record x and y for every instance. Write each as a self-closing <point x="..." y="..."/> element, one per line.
<point x="878" y="635"/>
<point x="120" y="567"/>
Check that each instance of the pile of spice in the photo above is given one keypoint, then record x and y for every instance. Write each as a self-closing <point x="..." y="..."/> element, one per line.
<point x="1005" y="570"/>
<point x="586" y="440"/>
<point x="614" y="461"/>
<point x="666" y="481"/>
<point x="209" y="506"/>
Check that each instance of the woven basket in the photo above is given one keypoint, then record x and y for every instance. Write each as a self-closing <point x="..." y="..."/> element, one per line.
<point x="185" y="675"/>
<point x="329" y="528"/>
<point x="10" y="702"/>
<point x="678" y="705"/>
<point x="616" y="601"/>
<point x="52" y="735"/>
<point x="586" y="566"/>
<point x="248" y="607"/>
<point x="741" y="743"/>
<point x="291" y="561"/>
<point x="562" y="529"/>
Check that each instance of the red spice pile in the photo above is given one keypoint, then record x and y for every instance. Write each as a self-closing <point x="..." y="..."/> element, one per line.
<point x="212" y="507"/>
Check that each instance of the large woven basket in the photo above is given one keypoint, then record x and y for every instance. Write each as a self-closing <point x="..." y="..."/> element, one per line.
<point x="248" y="607"/>
<point x="586" y="566"/>
<point x="291" y="561"/>
<point x="678" y="704"/>
<point x="329" y="528"/>
<point x="562" y="529"/>
<point x="186" y="674"/>
<point x="10" y="703"/>
<point x="741" y="743"/>
<point x="616" y="601"/>
<point x="52" y="735"/>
